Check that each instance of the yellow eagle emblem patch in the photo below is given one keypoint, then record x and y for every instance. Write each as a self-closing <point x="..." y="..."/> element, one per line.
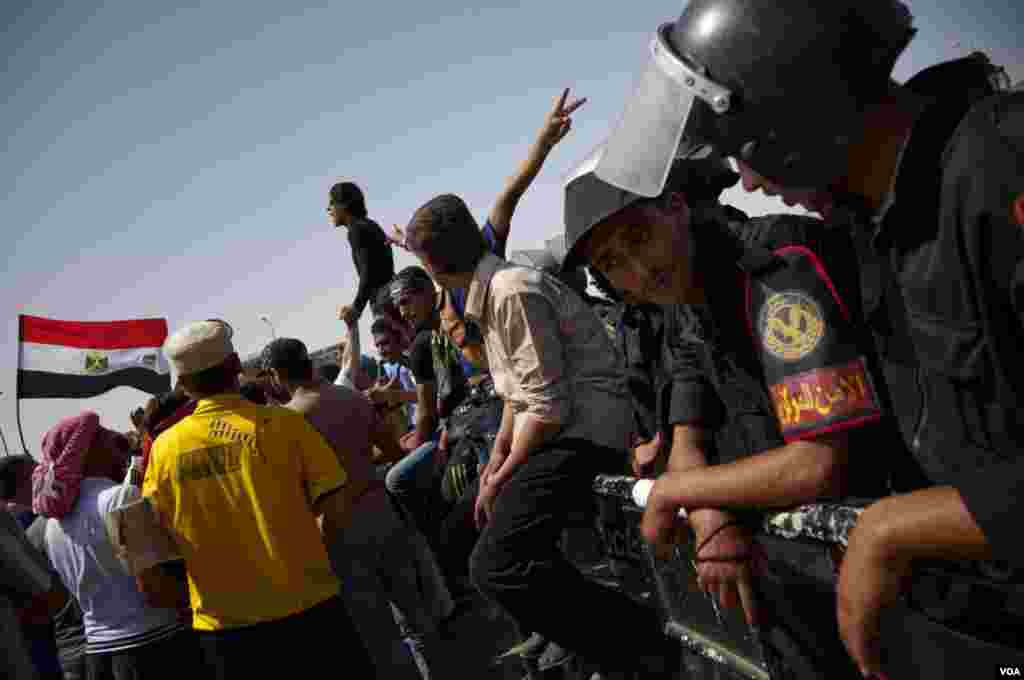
<point x="791" y="325"/>
<point x="96" y="362"/>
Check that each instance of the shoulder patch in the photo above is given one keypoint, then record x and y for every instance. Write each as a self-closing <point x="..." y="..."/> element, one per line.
<point x="791" y="325"/>
<point x="824" y="399"/>
<point x="810" y="352"/>
<point x="1018" y="210"/>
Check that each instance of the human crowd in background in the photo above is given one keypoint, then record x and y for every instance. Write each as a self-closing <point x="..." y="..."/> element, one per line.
<point x="346" y="516"/>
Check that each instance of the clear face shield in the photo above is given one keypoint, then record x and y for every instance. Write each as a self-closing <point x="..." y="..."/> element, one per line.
<point x="638" y="155"/>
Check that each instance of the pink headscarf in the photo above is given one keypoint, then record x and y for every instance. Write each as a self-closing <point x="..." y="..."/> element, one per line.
<point x="58" y="477"/>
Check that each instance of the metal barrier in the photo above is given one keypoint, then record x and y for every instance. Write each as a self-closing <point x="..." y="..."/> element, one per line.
<point x="720" y="643"/>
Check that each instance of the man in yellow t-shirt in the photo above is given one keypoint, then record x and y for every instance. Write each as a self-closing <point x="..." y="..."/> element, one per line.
<point x="248" y="492"/>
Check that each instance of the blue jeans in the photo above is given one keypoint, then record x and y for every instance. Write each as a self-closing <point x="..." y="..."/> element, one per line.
<point x="413" y="483"/>
<point x="393" y="590"/>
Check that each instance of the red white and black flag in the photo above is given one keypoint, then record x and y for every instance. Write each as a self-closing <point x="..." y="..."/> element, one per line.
<point x="78" y="359"/>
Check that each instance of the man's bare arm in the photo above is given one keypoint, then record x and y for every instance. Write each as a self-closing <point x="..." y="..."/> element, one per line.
<point x="556" y="125"/>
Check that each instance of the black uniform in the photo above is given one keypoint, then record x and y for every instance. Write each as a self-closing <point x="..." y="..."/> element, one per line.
<point x="943" y="267"/>
<point x="779" y="354"/>
<point x="945" y="295"/>
<point x="639" y="340"/>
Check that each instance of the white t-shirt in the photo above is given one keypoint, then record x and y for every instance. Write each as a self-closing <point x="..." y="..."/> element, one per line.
<point x="114" y="612"/>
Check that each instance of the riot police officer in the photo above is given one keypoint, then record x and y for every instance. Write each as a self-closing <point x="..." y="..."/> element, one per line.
<point x="769" y="379"/>
<point x="928" y="177"/>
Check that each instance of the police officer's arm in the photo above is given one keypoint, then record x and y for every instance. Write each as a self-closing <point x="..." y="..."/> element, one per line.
<point x="556" y="125"/>
<point x="932" y="523"/>
<point x="799" y="472"/>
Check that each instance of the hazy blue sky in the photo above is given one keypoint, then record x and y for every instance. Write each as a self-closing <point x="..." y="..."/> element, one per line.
<point x="174" y="162"/>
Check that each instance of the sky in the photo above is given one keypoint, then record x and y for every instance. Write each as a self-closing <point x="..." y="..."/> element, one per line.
<point x="174" y="162"/>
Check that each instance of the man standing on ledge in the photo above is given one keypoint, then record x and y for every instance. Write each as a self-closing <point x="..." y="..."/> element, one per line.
<point x="566" y="418"/>
<point x="371" y="251"/>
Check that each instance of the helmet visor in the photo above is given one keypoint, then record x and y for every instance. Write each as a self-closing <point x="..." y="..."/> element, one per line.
<point x="638" y="155"/>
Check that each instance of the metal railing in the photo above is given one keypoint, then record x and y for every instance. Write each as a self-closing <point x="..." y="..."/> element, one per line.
<point x="720" y="643"/>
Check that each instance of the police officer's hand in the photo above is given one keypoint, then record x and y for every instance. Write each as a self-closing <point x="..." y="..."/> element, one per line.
<point x="644" y="457"/>
<point x="871" y="578"/>
<point x="727" y="562"/>
<point x="661" y="524"/>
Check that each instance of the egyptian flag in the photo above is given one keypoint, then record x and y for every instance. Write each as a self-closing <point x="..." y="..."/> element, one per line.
<point x="78" y="359"/>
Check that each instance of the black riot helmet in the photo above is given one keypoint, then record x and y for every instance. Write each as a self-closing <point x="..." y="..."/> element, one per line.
<point x="700" y="174"/>
<point x="780" y="84"/>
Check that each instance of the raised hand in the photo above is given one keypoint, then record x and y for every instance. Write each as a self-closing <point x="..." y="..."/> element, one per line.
<point x="559" y="120"/>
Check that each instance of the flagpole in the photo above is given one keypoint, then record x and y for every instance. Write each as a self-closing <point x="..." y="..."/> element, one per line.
<point x="7" y="451"/>
<point x="17" y="415"/>
<point x="17" y="390"/>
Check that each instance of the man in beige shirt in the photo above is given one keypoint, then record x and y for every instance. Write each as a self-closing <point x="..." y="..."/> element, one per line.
<point x="567" y="417"/>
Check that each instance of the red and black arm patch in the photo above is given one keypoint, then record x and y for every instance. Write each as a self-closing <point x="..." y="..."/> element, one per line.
<point x="817" y="376"/>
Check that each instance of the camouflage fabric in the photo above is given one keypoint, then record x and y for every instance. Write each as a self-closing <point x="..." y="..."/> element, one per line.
<point x="828" y="522"/>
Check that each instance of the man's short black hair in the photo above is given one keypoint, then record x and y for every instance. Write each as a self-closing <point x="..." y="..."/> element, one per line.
<point x="350" y="196"/>
<point x="11" y="468"/>
<point x="330" y="372"/>
<point x="411" y="279"/>
<point x="445" y="230"/>
<point x="289" y="357"/>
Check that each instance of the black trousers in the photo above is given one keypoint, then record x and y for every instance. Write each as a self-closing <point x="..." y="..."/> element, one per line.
<point x="458" y="537"/>
<point x="301" y="645"/>
<point x="518" y="563"/>
<point x="171" y="658"/>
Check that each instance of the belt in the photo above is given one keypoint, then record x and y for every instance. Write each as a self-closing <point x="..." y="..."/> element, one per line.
<point x="473" y="403"/>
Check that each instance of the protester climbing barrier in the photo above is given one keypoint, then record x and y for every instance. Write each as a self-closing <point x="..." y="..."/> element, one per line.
<point x="720" y="643"/>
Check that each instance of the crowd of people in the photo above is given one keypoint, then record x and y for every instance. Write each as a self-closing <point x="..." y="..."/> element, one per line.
<point x="866" y="354"/>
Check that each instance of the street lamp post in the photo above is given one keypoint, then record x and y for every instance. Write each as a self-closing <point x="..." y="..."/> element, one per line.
<point x="266" y="319"/>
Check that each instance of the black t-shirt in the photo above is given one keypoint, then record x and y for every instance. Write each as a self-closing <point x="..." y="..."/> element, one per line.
<point x="372" y="257"/>
<point x="421" y="357"/>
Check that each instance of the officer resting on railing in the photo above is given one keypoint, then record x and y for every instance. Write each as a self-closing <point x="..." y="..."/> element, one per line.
<point x="770" y="380"/>
<point x="927" y="176"/>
